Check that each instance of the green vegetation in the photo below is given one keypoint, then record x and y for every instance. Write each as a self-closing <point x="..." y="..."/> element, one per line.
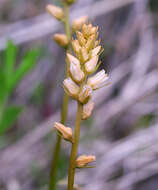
<point x="11" y="74"/>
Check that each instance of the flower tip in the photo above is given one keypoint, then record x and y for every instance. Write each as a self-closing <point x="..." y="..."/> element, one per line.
<point x="77" y="23"/>
<point x="73" y="59"/>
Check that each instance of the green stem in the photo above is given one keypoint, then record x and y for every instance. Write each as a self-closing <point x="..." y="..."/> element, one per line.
<point x="56" y="152"/>
<point x="67" y="22"/>
<point x="53" y="173"/>
<point x="74" y="149"/>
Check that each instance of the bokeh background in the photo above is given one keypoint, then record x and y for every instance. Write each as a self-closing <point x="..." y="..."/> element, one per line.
<point x="123" y="131"/>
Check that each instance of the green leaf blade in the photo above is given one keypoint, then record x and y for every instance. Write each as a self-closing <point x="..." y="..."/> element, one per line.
<point x="26" y="65"/>
<point x="8" y="118"/>
<point x="10" y="60"/>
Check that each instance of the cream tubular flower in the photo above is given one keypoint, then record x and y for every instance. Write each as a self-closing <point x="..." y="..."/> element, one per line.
<point x="55" y="11"/>
<point x="66" y="132"/>
<point x="71" y="88"/>
<point x="90" y="66"/>
<point x="85" y="94"/>
<point x="83" y="160"/>
<point x="87" y="110"/>
<point x="76" y="73"/>
<point x="73" y="59"/>
<point x="99" y="80"/>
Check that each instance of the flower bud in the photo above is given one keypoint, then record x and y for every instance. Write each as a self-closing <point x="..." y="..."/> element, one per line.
<point x="81" y="39"/>
<point x="99" y="80"/>
<point x="76" y="47"/>
<point x="83" y="160"/>
<point x="55" y="11"/>
<point x="85" y="94"/>
<point x="66" y="132"/>
<point x="83" y="55"/>
<point x="76" y="73"/>
<point x="85" y="30"/>
<point x="61" y="39"/>
<point x="94" y="30"/>
<point x="91" y="65"/>
<point x="71" y="88"/>
<point x="87" y="110"/>
<point x="77" y="23"/>
<point x="95" y="51"/>
<point x="73" y="59"/>
<point x="88" y="30"/>
<point x="90" y="43"/>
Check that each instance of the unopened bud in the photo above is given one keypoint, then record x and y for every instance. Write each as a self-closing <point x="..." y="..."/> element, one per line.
<point x="55" y="11"/>
<point x="85" y="94"/>
<point x="83" y="55"/>
<point x="73" y="59"/>
<point x="66" y="132"/>
<point x="87" y="110"/>
<point x="61" y="39"/>
<point x="90" y="43"/>
<point x="85" y="30"/>
<point x="71" y="88"/>
<point x="83" y="160"/>
<point x="81" y="39"/>
<point x="99" y="80"/>
<point x="90" y="66"/>
<point x="88" y="30"/>
<point x="76" y="46"/>
<point x="76" y="73"/>
<point x="94" y="30"/>
<point x="77" y="23"/>
<point x="95" y="51"/>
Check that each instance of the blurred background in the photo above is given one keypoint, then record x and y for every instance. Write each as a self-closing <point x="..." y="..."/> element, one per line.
<point x="123" y="131"/>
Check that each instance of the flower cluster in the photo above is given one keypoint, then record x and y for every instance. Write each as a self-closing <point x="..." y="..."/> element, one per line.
<point x="85" y="62"/>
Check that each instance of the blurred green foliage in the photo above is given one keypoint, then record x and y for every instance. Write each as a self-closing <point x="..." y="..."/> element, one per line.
<point x="145" y="121"/>
<point x="10" y="75"/>
<point x="153" y="4"/>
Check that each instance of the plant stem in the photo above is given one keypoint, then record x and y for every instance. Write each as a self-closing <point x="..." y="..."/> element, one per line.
<point x="53" y="173"/>
<point x="67" y="21"/>
<point x="74" y="149"/>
